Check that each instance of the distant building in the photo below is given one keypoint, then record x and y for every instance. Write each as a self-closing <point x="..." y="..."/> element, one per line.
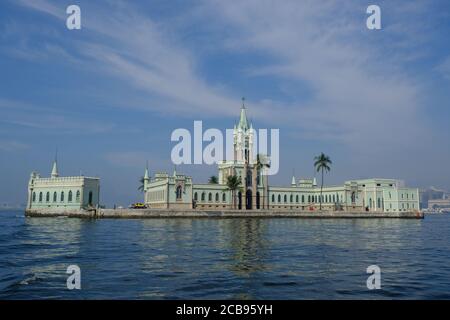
<point x="430" y="194"/>
<point x="178" y="191"/>
<point x="76" y="192"/>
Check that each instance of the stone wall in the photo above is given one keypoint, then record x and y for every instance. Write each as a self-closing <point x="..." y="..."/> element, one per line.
<point x="171" y="213"/>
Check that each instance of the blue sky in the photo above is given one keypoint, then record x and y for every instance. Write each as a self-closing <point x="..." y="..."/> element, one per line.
<point x="109" y="95"/>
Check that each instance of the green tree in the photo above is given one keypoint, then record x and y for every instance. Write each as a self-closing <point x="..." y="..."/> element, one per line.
<point x="233" y="184"/>
<point x="322" y="163"/>
<point x="213" y="180"/>
<point x="141" y="184"/>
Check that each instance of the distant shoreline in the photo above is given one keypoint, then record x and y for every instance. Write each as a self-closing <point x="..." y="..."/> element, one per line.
<point x="170" y="213"/>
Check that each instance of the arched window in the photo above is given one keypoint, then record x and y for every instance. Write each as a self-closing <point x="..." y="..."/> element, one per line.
<point x="34" y="196"/>
<point x="309" y="199"/>
<point x="203" y="196"/>
<point x="40" y="196"/>
<point x="353" y="197"/>
<point x="62" y="196"/>
<point x="224" y="197"/>
<point x="69" y="198"/>
<point x="303" y="198"/>
<point x="326" y="198"/>
<point x="291" y="198"/>
<point x="334" y="198"/>
<point x="273" y="198"/>
<point x="285" y="198"/>
<point x="90" y="198"/>
<point x="210" y="196"/>
<point x="55" y="196"/>
<point x="195" y="196"/>
<point x="78" y="196"/>
<point x="296" y="198"/>
<point x="47" y="197"/>
<point x="217" y="197"/>
<point x="279" y="198"/>
<point x="179" y="192"/>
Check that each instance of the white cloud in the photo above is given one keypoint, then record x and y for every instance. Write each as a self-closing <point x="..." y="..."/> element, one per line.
<point x="365" y="102"/>
<point x="11" y="145"/>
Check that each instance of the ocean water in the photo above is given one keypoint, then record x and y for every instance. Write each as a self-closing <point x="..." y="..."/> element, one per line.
<point x="224" y="258"/>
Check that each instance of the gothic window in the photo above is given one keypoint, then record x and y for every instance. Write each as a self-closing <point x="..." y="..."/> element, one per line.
<point x="179" y="192"/>
<point x="279" y="198"/>
<point x="69" y="198"/>
<point x="55" y="196"/>
<point x="303" y="198"/>
<point x="47" y="197"/>
<point x="210" y="196"/>
<point x="34" y="196"/>
<point x="249" y="178"/>
<point x="224" y="197"/>
<point x="353" y="197"/>
<point x="62" y="196"/>
<point x="273" y="198"/>
<point x="195" y="196"/>
<point x="217" y="197"/>
<point x="291" y="198"/>
<point x="203" y="196"/>
<point x="285" y="198"/>
<point x="309" y="199"/>
<point x="296" y="198"/>
<point x="78" y="196"/>
<point x="40" y="196"/>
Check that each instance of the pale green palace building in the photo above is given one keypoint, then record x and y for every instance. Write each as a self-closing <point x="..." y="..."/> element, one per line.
<point x="64" y="193"/>
<point x="177" y="191"/>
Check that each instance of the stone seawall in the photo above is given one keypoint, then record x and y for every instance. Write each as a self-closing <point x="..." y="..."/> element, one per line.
<point x="167" y="213"/>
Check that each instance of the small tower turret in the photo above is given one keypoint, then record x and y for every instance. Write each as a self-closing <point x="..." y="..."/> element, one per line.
<point x="146" y="177"/>
<point x="55" y="173"/>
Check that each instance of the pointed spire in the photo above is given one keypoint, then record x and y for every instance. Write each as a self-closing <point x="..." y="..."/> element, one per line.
<point x="146" y="172"/>
<point x="243" y="123"/>
<point x="55" y="173"/>
<point x="293" y="183"/>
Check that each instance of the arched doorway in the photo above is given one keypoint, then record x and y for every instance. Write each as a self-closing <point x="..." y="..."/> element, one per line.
<point x="258" y="200"/>
<point x="248" y="199"/>
<point x="239" y="200"/>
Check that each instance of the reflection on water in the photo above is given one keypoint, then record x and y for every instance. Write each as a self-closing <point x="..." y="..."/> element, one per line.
<point x="224" y="258"/>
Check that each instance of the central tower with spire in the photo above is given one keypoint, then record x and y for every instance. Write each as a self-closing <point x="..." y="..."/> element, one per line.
<point x="243" y="165"/>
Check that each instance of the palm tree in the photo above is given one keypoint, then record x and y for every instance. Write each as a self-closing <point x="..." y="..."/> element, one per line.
<point x="233" y="183"/>
<point x="262" y="163"/>
<point x="213" y="180"/>
<point x="141" y="184"/>
<point x="322" y="163"/>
